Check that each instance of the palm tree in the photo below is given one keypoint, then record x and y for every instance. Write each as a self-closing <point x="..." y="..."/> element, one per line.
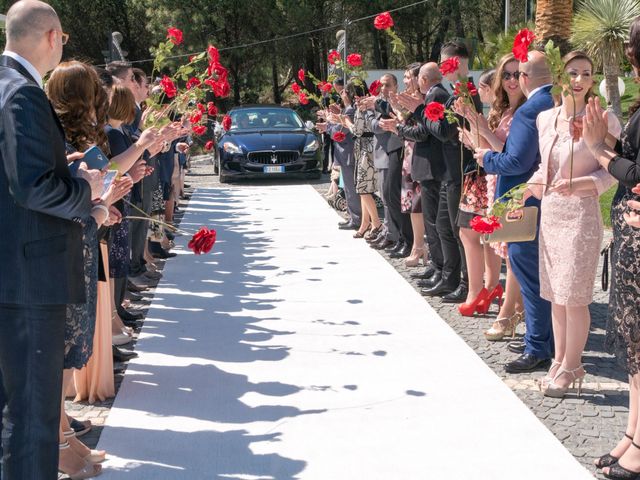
<point x="601" y="27"/>
<point x="553" y="22"/>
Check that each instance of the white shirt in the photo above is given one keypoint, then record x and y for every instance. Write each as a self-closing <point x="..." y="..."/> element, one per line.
<point x="535" y="90"/>
<point x="26" y="64"/>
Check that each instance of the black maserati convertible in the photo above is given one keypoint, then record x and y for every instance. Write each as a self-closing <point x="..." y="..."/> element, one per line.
<point x="267" y="141"/>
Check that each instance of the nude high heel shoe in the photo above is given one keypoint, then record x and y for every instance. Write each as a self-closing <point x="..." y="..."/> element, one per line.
<point x="555" y="391"/>
<point x="413" y="260"/>
<point x="94" y="456"/>
<point x="89" y="470"/>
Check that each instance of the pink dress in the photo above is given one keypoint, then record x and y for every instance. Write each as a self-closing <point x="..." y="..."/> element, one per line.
<point x="571" y="227"/>
<point x="501" y="131"/>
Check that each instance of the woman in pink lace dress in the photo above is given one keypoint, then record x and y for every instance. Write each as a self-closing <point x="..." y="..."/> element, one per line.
<point x="571" y="227"/>
<point x="508" y="97"/>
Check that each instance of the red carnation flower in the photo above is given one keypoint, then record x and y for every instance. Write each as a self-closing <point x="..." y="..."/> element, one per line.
<point x="303" y="98"/>
<point x="450" y="65"/>
<point x="202" y="241"/>
<point x="211" y="109"/>
<point x="383" y="21"/>
<point x="199" y="129"/>
<point x="195" y="117"/>
<point x="168" y="87"/>
<point x="334" y="57"/>
<point x="226" y="122"/>
<point x="339" y="137"/>
<point x="193" y="82"/>
<point x="296" y="88"/>
<point x="374" y="88"/>
<point x="174" y="35"/>
<point x="214" y="55"/>
<point x="521" y="43"/>
<point x="209" y="145"/>
<point x="301" y="75"/>
<point x="200" y="107"/>
<point x="485" y="225"/>
<point x="325" y="87"/>
<point x="434" y="111"/>
<point x="355" y="60"/>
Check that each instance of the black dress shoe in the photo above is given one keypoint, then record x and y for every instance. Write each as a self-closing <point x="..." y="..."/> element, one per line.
<point x="404" y="252"/>
<point x="378" y="238"/>
<point x="122" y="356"/>
<point x="527" y="362"/>
<point x="163" y="254"/>
<point x="428" y="272"/>
<point x="134" y="297"/>
<point x="459" y="295"/>
<point x="128" y="316"/>
<point x="382" y="244"/>
<point x="432" y="281"/>
<point x="132" y="287"/>
<point x="348" y="226"/>
<point x="393" y="247"/>
<point x="439" y="289"/>
<point x="516" y="346"/>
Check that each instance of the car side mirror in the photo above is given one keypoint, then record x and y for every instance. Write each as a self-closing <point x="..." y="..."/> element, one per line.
<point x="309" y="124"/>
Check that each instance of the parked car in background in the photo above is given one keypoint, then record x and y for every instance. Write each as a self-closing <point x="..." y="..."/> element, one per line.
<point x="267" y="141"/>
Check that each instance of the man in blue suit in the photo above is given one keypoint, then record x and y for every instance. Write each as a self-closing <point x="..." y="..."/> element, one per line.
<point x="515" y="165"/>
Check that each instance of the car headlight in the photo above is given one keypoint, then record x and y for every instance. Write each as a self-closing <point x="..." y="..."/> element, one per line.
<point x="231" y="148"/>
<point x="312" y="146"/>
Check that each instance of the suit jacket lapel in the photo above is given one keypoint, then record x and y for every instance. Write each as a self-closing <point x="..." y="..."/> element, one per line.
<point x="11" y="63"/>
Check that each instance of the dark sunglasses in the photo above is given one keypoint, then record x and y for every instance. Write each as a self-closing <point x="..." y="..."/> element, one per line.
<point x="508" y="75"/>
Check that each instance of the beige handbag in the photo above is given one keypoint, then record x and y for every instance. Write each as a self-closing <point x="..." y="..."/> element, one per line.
<point x="517" y="226"/>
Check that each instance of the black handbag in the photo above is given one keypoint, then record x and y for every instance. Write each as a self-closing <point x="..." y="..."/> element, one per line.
<point x="606" y="251"/>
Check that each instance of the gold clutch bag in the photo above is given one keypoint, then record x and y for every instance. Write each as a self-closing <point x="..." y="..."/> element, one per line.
<point x="517" y="226"/>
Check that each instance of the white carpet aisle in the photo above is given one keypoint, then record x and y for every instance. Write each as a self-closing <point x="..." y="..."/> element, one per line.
<point x="295" y="352"/>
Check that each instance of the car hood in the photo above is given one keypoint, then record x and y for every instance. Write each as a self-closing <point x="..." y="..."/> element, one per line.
<point x="255" y="141"/>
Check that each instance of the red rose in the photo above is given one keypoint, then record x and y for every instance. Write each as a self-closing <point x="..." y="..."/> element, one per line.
<point x="168" y="87"/>
<point x="450" y="65"/>
<point x="193" y="82"/>
<point x="195" y="117"/>
<point x="214" y="55"/>
<point x="301" y="75"/>
<point x="374" y="88"/>
<point x="303" y="98"/>
<point x="339" y="137"/>
<point x="383" y="21"/>
<point x="434" y="111"/>
<point x="202" y="241"/>
<point x="334" y="57"/>
<point x="174" y="35"/>
<point x="221" y="88"/>
<point x="521" y="43"/>
<point x="471" y="88"/>
<point x="200" y="107"/>
<point x="211" y="109"/>
<point x="199" y="129"/>
<point x="209" y="145"/>
<point x="218" y="70"/>
<point x="325" y="87"/>
<point x="296" y="88"/>
<point x="226" y="122"/>
<point x="355" y="60"/>
<point x="485" y="225"/>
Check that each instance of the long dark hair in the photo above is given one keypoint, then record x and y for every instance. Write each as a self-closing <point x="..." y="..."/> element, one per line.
<point x="77" y="96"/>
<point x="356" y="88"/>
<point x="633" y="54"/>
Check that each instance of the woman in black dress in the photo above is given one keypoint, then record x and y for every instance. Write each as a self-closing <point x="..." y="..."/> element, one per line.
<point x="622" y="160"/>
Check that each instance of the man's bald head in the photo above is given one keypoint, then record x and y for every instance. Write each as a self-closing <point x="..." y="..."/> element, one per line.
<point x="28" y="20"/>
<point x="536" y="72"/>
<point x="429" y="75"/>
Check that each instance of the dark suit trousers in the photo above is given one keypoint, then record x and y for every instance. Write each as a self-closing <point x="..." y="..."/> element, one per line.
<point x="524" y="258"/>
<point x="138" y="229"/>
<point x="392" y="194"/>
<point x="31" y="362"/>
<point x="430" y="198"/>
<point x="448" y="231"/>
<point x="328" y="151"/>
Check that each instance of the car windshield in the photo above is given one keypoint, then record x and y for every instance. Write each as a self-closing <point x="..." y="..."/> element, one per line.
<point x="265" y="118"/>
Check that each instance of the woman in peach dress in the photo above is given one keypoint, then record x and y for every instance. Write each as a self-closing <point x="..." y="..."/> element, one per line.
<point x="571" y="227"/>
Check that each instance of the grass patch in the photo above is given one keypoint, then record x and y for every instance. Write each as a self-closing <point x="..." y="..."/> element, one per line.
<point x="605" y="205"/>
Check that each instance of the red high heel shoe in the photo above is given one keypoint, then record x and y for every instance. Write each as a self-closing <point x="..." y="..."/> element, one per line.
<point x="467" y="309"/>
<point x="496" y="293"/>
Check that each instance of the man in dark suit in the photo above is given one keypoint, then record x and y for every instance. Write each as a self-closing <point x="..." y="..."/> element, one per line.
<point x="515" y="165"/>
<point x="41" y="207"/>
<point x="427" y="165"/>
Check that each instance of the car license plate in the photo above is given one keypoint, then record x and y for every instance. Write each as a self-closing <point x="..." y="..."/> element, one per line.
<point x="273" y="169"/>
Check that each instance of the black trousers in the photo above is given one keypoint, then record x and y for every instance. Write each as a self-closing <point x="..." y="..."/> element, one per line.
<point x="327" y="146"/>
<point x="138" y="228"/>
<point x="31" y="362"/>
<point x="452" y="249"/>
<point x="393" y="195"/>
<point x="119" y="292"/>
<point x="430" y="198"/>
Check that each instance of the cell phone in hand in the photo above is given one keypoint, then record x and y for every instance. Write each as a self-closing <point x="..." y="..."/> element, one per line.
<point x="93" y="157"/>
<point x="108" y="180"/>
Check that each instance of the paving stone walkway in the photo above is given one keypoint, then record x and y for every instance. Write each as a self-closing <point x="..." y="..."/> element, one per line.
<point x="588" y="426"/>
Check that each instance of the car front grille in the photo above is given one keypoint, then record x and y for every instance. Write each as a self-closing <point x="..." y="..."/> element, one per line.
<point x="273" y="158"/>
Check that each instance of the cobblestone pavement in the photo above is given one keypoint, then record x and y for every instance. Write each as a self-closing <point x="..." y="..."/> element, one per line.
<point x="587" y="426"/>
